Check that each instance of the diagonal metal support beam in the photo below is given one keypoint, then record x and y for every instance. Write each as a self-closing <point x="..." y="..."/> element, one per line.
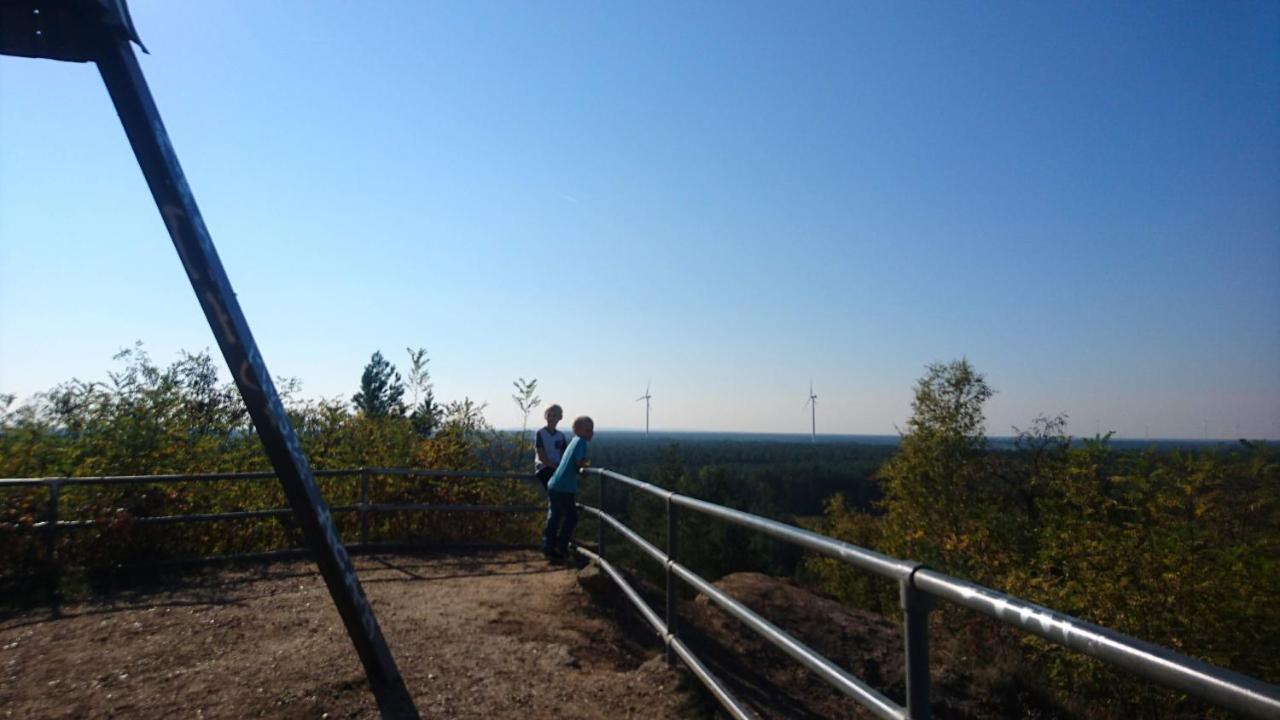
<point x="159" y="163"/>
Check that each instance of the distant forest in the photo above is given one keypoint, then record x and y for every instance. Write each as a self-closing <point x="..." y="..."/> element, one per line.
<point x="795" y="478"/>
<point x="1176" y="546"/>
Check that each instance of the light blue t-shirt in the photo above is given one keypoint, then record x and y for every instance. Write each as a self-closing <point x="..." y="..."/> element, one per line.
<point x="566" y="478"/>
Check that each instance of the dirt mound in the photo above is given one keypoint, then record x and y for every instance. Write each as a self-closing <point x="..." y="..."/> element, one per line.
<point x="865" y="644"/>
<point x="476" y="636"/>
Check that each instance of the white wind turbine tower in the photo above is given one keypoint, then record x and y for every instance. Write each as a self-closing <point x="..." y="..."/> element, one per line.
<point x="812" y="404"/>
<point x="645" y="397"/>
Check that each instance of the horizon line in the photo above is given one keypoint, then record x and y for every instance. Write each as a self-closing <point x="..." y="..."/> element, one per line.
<point x="688" y="431"/>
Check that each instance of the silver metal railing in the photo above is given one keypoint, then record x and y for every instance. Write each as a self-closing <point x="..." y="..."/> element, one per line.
<point x="919" y="586"/>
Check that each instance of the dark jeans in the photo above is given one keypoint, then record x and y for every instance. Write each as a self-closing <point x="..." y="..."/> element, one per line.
<point x="562" y="518"/>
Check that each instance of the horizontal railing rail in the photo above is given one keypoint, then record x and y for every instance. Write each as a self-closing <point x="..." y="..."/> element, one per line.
<point x="266" y="475"/>
<point x="722" y="694"/>
<point x="52" y="525"/>
<point x="919" y="586"/>
<point x="136" y="479"/>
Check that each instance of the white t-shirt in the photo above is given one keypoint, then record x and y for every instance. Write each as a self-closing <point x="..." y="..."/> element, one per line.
<point x="552" y="444"/>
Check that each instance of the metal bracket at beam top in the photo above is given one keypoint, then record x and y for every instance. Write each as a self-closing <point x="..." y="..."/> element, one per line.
<point x="159" y="163"/>
<point x="69" y="30"/>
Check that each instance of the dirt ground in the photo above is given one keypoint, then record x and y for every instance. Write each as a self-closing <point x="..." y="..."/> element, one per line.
<point x="476" y="636"/>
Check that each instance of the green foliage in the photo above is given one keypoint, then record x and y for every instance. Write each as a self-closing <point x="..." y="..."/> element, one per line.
<point x="947" y="408"/>
<point x="1177" y="548"/>
<point x="466" y="416"/>
<point x="182" y="420"/>
<point x="857" y="587"/>
<point x="425" y="413"/>
<point x="419" y="376"/>
<point x="711" y="547"/>
<point x="796" y="476"/>
<point x="938" y="476"/>
<point x="526" y="400"/>
<point x="381" y="389"/>
<point x="145" y="419"/>
<point x="1181" y="549"/>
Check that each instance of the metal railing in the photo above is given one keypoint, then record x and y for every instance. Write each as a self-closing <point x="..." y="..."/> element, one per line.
<point x="52" y="526"/>
<point x="919" y="587"/>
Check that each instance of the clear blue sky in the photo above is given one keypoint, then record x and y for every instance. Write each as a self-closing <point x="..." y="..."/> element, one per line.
<point x="728" y="198"/>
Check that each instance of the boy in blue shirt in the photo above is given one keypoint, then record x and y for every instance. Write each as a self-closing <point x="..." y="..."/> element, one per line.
<point x="562" y="491"/>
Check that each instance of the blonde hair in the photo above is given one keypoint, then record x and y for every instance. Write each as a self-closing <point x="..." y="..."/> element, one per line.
<point x="553" y="408"/>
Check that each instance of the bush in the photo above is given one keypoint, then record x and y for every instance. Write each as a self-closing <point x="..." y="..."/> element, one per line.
<point x="149" y="420"/>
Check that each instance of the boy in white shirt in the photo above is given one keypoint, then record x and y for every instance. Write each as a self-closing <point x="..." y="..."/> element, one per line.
<point x="548" y="445"/>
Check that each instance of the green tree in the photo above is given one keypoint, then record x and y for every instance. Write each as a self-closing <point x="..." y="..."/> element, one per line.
<point x="381" y="389"/>
<point x="936" y="483"/>
<point x="466" y="416"/>
<point x="426" y="413"/>
<point x="526" y="400"/>
<point x="208" y="405"/>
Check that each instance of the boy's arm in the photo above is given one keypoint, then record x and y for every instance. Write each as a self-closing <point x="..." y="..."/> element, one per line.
<point x="541" y="451"/>
<point x="542" y="458"/>
<point x="583" y="460"/>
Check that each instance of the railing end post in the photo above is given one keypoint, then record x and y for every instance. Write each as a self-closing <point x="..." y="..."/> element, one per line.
<point x="600" y="478"/>
<point x="51" y="546"/>
<point x="364" y="506"/>
<point x="916" y="606"/>
<point x="673" y="550"/>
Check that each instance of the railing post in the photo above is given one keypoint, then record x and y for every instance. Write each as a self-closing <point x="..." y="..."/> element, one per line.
<point x="673" y="549"/>
<point x="51" y="545"/>
<point x="915" y="610"/>
<point x="364" y="506"/>
<point x="605" y="510"/>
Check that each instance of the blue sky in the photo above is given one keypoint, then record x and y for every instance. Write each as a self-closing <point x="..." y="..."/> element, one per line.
<point x="728" y="199"/>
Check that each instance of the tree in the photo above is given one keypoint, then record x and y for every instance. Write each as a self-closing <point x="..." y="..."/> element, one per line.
<point x="948" y="406"/>
<point x="426" y="412"/>
<point x="466" y="416"/>
<point x="426" y="415"/>
<point x="381" y="389"/>
<point x="207" y="405"/>
<point x="937" y="485"/>
<point x="525" y="400"/>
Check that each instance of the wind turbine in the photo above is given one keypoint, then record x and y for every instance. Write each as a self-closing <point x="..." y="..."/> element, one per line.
<point x="812" y="404"/>
<point x="645" y="397"/>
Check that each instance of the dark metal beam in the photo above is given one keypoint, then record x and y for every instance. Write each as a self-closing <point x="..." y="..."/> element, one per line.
<point x="177" y="205"/>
